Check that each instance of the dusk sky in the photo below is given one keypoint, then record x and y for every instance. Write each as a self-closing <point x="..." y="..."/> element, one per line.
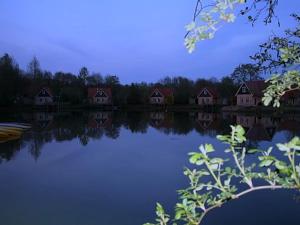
<point x="136" y="40"/>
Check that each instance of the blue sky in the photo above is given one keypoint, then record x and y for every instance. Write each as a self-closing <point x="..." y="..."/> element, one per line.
<point x="136" y="40"/>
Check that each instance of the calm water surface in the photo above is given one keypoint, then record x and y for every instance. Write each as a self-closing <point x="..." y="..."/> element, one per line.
<point x="104" y="168"/>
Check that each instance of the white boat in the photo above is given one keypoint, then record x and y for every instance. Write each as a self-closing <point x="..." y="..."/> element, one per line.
<point x="16" y="125"/>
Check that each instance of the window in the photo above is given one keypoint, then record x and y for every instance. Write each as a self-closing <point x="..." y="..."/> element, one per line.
<point x="242" y="100"/>
<point x="247" y="100"/>
<point x="205" y="92"/>
<point x="244" y="90"/>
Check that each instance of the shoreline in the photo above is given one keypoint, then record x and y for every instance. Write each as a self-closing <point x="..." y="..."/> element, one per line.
<point x="148" y="107"/>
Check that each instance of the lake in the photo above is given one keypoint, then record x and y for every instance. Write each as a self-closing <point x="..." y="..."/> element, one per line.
<point x="110" y="168"/>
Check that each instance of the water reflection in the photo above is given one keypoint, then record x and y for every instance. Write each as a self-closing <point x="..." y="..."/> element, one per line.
<point x="87" y="126"/>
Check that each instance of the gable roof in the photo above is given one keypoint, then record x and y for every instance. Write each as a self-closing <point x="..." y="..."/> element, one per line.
<point x="255" y="87"/>
<point x="96" y="92"/>
<point x="44" y="92"/>
<point x="212" y="91"/>
<point x="166" y="92"/>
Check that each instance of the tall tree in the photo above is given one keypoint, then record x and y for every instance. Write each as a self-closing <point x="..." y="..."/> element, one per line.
<point x="10" y="80"/>
<point x="83" y="74"/>
<point x="245" y="72"/>
<point x="34" y="68"/>
<point x="112" y="80"/>
<point x="95" y="79"/>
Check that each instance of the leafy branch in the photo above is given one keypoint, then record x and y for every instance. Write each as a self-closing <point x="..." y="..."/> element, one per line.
<point x="215" y="181"/>
<point x="208" y="18"/>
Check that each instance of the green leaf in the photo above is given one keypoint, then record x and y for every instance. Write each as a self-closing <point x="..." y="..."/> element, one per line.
<point x="283" y="147"/>
<point x="280" y="165"/>
<point x="266" y="163"/>
<point x="209" y="148"/>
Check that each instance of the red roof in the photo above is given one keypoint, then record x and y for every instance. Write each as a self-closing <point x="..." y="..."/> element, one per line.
<point x="256" y="87"/>
<point x="92" y="91"/>
<point x="213" y="91"/>
<point x="167" y="92"/>
<point x="47" y="89"/>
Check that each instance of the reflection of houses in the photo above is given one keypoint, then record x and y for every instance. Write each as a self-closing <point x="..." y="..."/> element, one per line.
<point x="291" y="98"/>
<point x="100" y="120"/>
<point x="208" y="96"/>
<point x="43" y="119"/>
<point x="44" y="97"/>
<point x="161" y="96"/>
<point x="205" y="119"/>
<point x="257" y="128"/>
<point x="99" y="96"/>
<point x="250" y="93"/>
<point x="291" y="123"/>
<point x="160" y="120"/>
<point x="208" y="121"/>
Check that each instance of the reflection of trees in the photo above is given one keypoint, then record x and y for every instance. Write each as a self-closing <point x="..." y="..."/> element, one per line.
<point x="211" y="124"/>
<point x="84" y="139"/>
<point x="36" y="144"/>
<point x="291" y="124"/>
<point x="182" y="124"/>
<point x="161" y="121"/>
<point x="9" y="149"/>
<point x="258" y="127"/>
<point x="136" y="122"/>
<point x="69" y="126"/>
<point x="86" y="126"/>
<point x="113" y="132"/>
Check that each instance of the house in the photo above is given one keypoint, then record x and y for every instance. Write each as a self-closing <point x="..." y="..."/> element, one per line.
<point x="250" y="93"/>
<point x="161" y="96"/>
<point x="207" y="96"/>
<point x="99" y="96"/>
<point x="44" y="97"/>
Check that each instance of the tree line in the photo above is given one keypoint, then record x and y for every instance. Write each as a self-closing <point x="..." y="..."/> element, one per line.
<point x="16" y="83"/>
<point x="275" y="55"/>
